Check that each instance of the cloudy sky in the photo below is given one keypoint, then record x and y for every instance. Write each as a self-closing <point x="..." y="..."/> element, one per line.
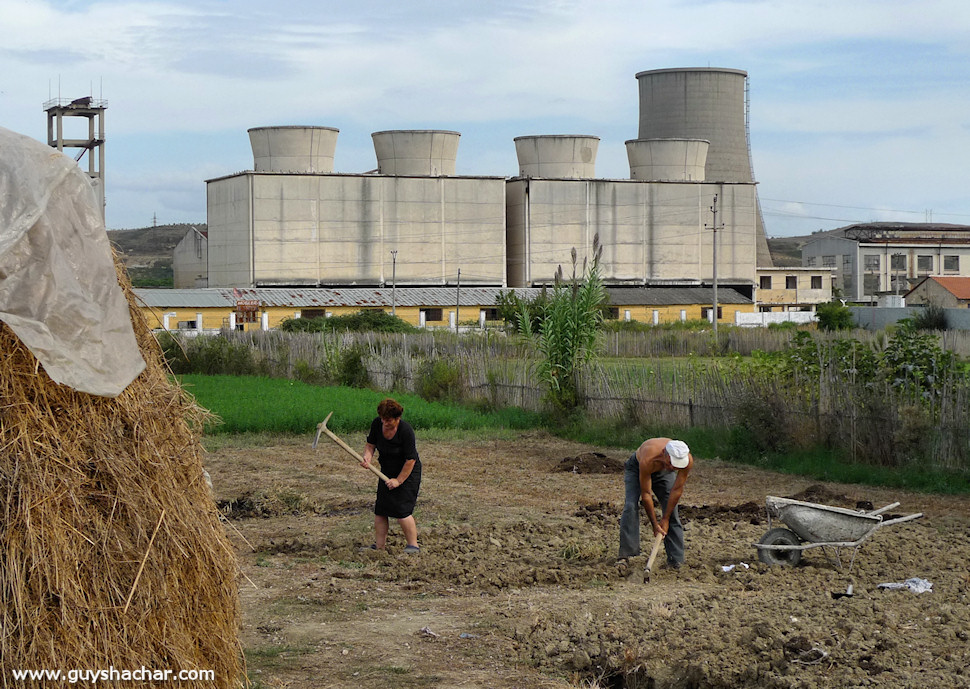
<point x="859" y="109"/>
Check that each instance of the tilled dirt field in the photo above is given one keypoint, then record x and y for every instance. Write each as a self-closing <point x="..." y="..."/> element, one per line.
<point x="516" y="584"/>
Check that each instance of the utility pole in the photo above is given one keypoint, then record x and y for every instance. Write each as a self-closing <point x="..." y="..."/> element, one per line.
<point x="457" y="300"/>
<point x="393" y="282"/>
<point x="715" y="228"/>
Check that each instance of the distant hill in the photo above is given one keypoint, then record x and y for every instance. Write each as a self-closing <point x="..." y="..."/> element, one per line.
<point x="787" y="251"/>
<point x="147" y="251"/>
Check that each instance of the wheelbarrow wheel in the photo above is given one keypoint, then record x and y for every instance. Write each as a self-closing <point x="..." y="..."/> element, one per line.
<point x="779" y="557"/>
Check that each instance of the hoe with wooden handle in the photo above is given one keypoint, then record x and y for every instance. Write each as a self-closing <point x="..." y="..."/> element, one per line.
<point x="322" y="428"/>
<point x="653" y="553"/>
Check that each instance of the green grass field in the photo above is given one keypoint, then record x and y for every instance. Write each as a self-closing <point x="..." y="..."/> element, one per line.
<point x="248" y="406"/>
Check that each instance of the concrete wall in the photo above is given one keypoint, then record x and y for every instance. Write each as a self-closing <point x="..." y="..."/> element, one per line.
<point x="229" y="205"/>
<point x="649" y="231"/>
<point x="762" y="319"/>
<point x="874" y="318"/>
<point x="190" y="261"/>
<point x="341" y="229"/>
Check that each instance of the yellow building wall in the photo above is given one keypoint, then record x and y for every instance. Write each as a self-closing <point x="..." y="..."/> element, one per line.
<point x="671" y="314"/>
<point x="218" y="318"/>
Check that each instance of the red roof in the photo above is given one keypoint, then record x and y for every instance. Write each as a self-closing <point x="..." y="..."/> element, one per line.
<point x="957" y="285"/>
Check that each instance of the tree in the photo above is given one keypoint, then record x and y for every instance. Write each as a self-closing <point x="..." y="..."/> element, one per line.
<point x="834" y="315"/>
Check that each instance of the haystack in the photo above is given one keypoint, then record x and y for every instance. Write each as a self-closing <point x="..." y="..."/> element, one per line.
<point x="112" y="555"/>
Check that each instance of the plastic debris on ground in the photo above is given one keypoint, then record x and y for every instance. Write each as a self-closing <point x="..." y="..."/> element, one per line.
<point x="914" y="584"/>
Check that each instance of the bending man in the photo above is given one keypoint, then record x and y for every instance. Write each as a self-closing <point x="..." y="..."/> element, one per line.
<point x="660" y="466"/>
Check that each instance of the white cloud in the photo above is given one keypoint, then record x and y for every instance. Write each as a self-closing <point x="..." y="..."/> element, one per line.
<point x="860" y="102"/>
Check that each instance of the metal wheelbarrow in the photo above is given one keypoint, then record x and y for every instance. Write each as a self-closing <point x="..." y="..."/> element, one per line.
<point x="814" y="526"/>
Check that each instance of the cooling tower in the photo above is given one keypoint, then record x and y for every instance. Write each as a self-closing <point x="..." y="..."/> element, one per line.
<point x="667" y="160"/>
<point x="703" y="103"/>
<point x="293" y="148"/>
<point x="422" y="152"/>
<point x="557" y="156"/>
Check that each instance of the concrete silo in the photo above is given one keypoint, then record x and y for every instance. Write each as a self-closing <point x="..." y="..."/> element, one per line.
<point x="671" y="160"/>
<point x="703" y="103"/>
<point x="293" y="148"/>
<point x="557" y="156"/>
<point x="425" y="152"/>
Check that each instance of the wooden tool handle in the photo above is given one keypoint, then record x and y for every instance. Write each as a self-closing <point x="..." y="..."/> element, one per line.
<point x="658" y="539"/>
<point x="351" y="450"/>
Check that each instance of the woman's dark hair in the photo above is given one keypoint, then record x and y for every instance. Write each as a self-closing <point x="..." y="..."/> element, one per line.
<point x="389" y="409"/>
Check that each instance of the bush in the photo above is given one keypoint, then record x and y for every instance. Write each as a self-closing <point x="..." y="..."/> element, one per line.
<point x="930" y="317"/>
<point x="350" y="368"/>
<point x="834" y="316"/>
<point x="438" y="380"/>
<point x="210" y="355"/>
<point x="369" y="320"/>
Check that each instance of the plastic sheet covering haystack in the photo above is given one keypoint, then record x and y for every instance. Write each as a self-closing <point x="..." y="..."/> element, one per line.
<point x="113" y="557"/>
<point x="59" y="291"/>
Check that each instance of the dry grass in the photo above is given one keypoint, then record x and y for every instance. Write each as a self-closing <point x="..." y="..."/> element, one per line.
<point x="111" y="549"/>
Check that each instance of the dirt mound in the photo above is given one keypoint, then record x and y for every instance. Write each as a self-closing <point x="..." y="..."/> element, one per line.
<point x="750" y="512"/>
<point x="822" y="495"/>
<point x="591" y="463"/>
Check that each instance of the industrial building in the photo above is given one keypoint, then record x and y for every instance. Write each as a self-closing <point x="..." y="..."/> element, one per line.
<point x="412" y="222"/>
<point x="876" y="259"/>
<point x="214" y="309"/>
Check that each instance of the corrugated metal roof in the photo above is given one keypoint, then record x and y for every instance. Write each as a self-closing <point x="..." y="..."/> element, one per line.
<point x="673" y="296"/>
<point x="314" y="297"/>
<point x="381" y="297"/>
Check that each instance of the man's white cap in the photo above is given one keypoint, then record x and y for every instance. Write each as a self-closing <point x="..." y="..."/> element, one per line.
<point x="678" y="452"/>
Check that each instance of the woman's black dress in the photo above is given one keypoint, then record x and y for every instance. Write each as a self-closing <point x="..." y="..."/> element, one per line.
<point x="392" y="454"/>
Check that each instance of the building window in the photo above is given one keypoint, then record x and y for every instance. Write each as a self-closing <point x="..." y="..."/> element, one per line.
<point x="870" y="283"/>
<point x="871" y="263"/>
<point x="951" y="264"/>
<point x="313" y="313"/>
<point x="764" y="309"/>
<point x="791" y="282"/>
<point x="828" y="261"/>
<point x="186" y="325"/>
<point x="611" y="313"/>
<point x="765" y="282"/>
<point x="811" y="261"/>
<point x="897" y="262"/>
<point x="432" y="315"/>
<point x="816" y="282"/>
<point x="706" y="313"/>
<point x="924" y="265"/>
<point x="491" y="315"/>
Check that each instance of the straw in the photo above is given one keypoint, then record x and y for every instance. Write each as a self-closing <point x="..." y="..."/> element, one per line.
<point x="91" y="577"/>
